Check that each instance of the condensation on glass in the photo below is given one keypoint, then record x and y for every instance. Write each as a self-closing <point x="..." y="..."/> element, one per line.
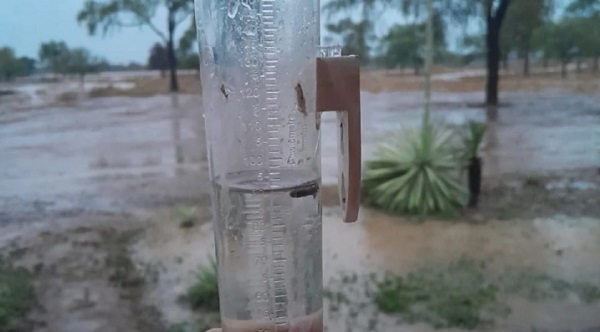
<point x="258" y="87"/>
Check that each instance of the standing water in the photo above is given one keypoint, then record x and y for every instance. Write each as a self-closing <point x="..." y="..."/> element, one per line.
<point x="269" y="253"/>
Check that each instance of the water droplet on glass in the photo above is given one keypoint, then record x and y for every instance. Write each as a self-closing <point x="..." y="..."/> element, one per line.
<point x="233" y="8"/>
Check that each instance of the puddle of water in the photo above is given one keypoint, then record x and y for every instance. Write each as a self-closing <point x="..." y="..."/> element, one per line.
<point x="555" y="246"/>
<point x="575" y="185"/>
<point x="562" y="248"/>
<point x="536" y="132"/>
<point x="64" y="149"/>
<point x="65" y="152"/>
<point x="111" y="148"/>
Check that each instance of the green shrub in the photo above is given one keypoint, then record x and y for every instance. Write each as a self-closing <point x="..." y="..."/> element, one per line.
<point x="187" y="215"/>
<point x="17" y="296"/>
<point x="416" y="172"/>
<point x="204" y="293"/>
<point x="456" y="297"/>
<point x="471" y="136"/>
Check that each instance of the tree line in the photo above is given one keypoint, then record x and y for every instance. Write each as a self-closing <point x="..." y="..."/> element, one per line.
<point x="12" y="66"/>
<point x="58" y="58"/>
<point x="55" y="57"/>
<point x="526" y="28"/>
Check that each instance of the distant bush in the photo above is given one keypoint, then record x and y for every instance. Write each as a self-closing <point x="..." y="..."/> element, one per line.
<point x="17" y="296"/>
<point x="204" y="293"/>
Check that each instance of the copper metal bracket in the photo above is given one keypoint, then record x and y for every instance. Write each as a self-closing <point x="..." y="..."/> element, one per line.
<point x="338" y="89"/>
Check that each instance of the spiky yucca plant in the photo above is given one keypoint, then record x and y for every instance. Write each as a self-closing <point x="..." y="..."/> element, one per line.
<point x="416" y="172"/>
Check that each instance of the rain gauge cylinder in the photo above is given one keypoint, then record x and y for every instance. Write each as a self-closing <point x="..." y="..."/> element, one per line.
<point x="265" y="82"/>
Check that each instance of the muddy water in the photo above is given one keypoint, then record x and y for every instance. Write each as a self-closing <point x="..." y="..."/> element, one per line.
<point x="126" y="154"/>
<point x="71" y="157"/>
<point x="541" y="131"/>
<point x="563" y="248"/>
<point x="94" y="156"/>
<point x="174" y="255"/>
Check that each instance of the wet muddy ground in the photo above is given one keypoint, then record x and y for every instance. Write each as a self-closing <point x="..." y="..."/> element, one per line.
<point x="88" y="193"/>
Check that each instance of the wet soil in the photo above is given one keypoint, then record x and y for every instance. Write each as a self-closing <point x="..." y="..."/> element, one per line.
<point x="85" y="279"/>
<point x="87" y="194"/>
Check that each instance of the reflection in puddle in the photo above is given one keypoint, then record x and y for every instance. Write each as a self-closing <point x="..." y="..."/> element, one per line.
<point x="566" y="248"/>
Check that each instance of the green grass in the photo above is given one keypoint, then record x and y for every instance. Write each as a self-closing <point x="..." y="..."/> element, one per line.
<point x="17" y="297"/>
<point x="464" y="294"/>
<point x="456" y="297"/>
<point x="187" y="216"/>
<point x="204" y="293"/>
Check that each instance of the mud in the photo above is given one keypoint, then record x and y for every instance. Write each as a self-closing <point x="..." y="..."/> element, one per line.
<point x="84" y="277"/>
<point x="88" y="192"/>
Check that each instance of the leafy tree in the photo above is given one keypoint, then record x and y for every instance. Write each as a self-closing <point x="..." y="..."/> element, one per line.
<point x="9" y="64"/>
<point x="189" y="61"/>
<point x="53" y="56"/>
<point x="187" y="40"/>
<point x="474" y="46"/>
<point x="27" y="65"/>
<point x="60" y="59"/>
<point x="492" y="11"/>
<point x="189" y="56"/>
<point x="80" y="62"/>
<point x="584" y="7"/>
<point x="403" y="47"/>
<point x="158" y="59"/>
<point x="354" y="37"/>
<point x="587" y="13"/>
<point x="560" y="41"/>
<point x="522" y="19"/>
<point x="12" y="66"/>
<point x="404" y="44"/>
<point x="116" y="14"/>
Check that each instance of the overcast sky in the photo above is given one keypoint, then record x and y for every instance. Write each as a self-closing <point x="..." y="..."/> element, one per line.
<point x="24" y="24"/>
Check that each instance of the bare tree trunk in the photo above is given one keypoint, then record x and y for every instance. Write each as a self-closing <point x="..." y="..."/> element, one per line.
<point x="172" y="59"/>
<point x="493" y="59"/>
<point x="494" y="23"/>
<point x="596" y="67"/>
<point x="563" y="69"/>
<point x="545" y="62"/>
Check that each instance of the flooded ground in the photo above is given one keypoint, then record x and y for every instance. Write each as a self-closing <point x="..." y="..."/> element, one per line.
<point x="88" y="192"/>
